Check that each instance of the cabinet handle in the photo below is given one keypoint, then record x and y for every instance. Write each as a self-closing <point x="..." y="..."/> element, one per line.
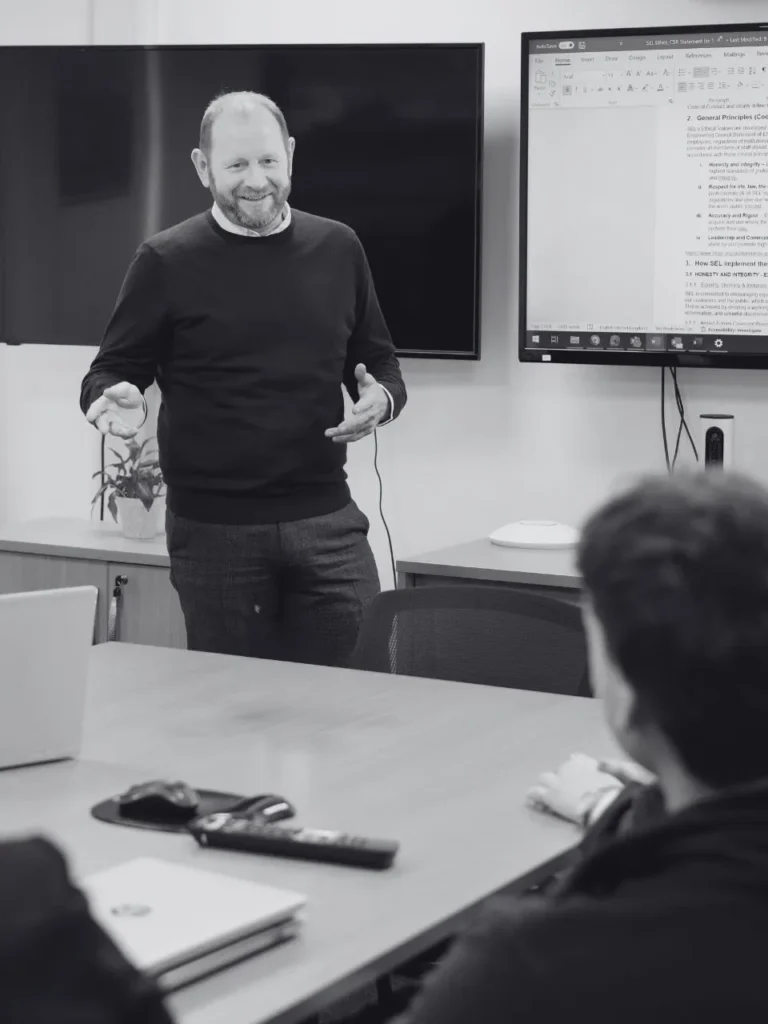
<point x="117" y="593"/>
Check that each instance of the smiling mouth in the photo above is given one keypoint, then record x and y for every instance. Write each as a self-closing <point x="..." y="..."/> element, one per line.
<point x="255" y="199"/>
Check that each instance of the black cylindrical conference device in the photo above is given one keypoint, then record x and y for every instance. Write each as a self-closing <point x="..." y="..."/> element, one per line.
<point x="717" y="440"/>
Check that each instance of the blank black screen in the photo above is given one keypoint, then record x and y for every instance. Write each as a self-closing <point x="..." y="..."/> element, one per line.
<point x="96" y="158"/>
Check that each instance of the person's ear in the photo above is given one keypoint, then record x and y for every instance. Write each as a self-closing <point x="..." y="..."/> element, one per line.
<point x="200" y="161"/>
<point x="291" y="151"/>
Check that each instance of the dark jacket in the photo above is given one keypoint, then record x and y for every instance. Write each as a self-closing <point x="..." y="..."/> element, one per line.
<point x="636" y="808"/>
<point x="56" y="965"/>
<point x="665" y="925"/>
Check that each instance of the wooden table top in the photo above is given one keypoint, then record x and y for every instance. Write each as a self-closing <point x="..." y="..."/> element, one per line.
<point x="441" y="767"/>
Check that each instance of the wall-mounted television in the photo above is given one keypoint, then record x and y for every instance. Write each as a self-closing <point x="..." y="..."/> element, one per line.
<point x="96" y="151"/>
<point x="644" y="197"/>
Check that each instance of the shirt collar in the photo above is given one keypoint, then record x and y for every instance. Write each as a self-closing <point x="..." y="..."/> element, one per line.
<point x="236" y="229"/>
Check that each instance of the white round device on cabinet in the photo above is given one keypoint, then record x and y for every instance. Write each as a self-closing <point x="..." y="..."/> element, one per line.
<point x="535" y="533"/>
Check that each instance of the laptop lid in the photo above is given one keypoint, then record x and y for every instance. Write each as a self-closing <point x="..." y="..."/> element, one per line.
<point x="162" y="915"/>
<point x="45" y="646"/>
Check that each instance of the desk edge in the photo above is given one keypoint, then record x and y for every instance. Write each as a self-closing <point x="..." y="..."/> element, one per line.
<point x="416" y="568"/>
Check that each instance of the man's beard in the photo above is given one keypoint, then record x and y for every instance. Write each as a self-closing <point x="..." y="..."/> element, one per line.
<point x="259" y="215"/>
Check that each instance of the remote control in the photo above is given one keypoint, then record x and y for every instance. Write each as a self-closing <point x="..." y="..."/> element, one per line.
<point x="239" y="832"/>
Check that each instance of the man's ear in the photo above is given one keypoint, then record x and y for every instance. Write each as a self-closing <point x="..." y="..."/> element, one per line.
<point x="291" y="151"/>
<point x="200" y="161"/>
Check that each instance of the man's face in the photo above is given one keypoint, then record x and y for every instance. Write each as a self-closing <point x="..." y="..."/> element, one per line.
<point x="248" y="169"/>
<point x="612" y="689"/>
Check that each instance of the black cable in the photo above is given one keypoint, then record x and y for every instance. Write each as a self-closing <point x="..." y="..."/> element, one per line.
<point x="664" y="418"/>
<point x="103" y="470"/>
<point x="681" y="412"/>
<point x="381" y="504"/>
<point x="683" y="424"/>
<point x="683" y="418"/>
<point x="679" y="437"/>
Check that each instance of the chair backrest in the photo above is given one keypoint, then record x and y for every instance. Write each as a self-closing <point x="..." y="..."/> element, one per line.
<point x="475" y="634"/>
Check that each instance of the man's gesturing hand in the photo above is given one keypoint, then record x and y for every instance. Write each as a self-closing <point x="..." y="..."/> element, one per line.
<point x="105" y="412"/>
<point x="371" y="408"/>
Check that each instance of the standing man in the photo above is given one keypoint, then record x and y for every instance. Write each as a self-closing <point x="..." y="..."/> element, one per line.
<point x="251" y="316"/>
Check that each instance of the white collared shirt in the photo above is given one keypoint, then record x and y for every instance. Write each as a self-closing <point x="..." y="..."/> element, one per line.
<point x="237" y="229"/>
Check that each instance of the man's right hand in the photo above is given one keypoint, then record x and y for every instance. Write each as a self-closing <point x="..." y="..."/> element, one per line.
<point x="105" y="412"/>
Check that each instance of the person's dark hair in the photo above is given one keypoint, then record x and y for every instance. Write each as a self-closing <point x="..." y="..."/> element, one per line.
<point x="676" y="571"/>
<point x="243" y="101"/>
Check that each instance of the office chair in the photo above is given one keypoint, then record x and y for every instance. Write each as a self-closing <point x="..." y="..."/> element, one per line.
<point x="475" y="634"/>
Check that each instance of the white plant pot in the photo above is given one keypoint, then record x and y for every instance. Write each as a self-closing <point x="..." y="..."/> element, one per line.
<point x="136" y="521"/>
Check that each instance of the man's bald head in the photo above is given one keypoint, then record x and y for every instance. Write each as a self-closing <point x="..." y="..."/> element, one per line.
<point x="239" y="105"/>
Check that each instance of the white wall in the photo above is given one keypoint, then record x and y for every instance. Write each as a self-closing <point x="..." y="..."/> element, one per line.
<point x="479" y="444"/>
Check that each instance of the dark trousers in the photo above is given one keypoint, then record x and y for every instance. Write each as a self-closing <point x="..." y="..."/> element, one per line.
<point x="289" y="591"/>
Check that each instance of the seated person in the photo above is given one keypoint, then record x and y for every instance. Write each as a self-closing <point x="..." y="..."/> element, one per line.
<point x="56" y="965"/>
<point x="667" y="922"/>
<point x="607" y="798"/>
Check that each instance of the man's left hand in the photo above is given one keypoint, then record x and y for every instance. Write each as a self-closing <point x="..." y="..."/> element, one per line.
<point x="371" y="408"/>
<point x="573" y="789"/>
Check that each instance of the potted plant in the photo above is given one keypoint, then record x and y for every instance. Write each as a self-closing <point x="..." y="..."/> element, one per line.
<point x="133" y="483"/>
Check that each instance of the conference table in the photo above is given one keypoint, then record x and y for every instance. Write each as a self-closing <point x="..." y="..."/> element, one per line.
<point x="442" y="767"/>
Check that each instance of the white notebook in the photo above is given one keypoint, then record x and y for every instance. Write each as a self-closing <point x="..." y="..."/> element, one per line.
<point x="178" y="923"/>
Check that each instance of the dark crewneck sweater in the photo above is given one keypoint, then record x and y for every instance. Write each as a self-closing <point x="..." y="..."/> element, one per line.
<point x="250" y="340"/>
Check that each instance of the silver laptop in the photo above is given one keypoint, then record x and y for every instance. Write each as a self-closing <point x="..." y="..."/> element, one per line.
<point x="179" y="923"/>
<point x="45" y="646"/>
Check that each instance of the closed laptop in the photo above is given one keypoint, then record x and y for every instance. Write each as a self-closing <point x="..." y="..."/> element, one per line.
<point x="45" y="646"/>
<point x="178" y="923"/>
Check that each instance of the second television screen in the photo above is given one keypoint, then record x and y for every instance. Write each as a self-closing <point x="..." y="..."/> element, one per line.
<point x="645" y="203"/>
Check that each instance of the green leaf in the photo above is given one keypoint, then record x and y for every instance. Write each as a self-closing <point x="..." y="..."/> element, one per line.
<point x="144" y="494"/>
<point x="106" y="473"/>
<point x="112" y="506"/>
